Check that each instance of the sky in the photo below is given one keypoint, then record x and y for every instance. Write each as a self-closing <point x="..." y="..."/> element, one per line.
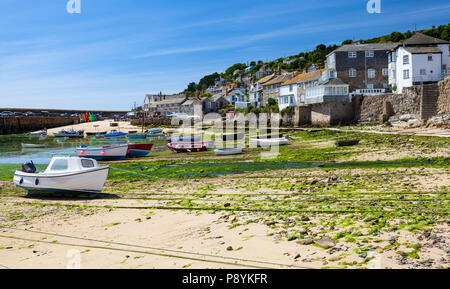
<point x="115" y="52"/>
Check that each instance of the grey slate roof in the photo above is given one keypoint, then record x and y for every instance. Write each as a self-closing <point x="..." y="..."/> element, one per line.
<point x="422" y="50"/>
<point x="422" y="39"/>
<point x="366" y="47"/>
<point x="334" y="81"/>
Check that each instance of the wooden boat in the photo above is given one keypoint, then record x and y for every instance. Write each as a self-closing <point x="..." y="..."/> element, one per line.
<point x="29" y="145"/>
<point x="237" y="136"/>
<point x="96" y="134"/>
<point x="137" y="136"/>
<point x="70" y="133"/>
<point x="138" y="150"/>
<point x="115" y="134"/>
<point x="228" y="151"/>
<point x="38" y="133"/>
<point x="106" y="153"/>
<point x="63" y="174"/>
<point x="268" y="142"/>
<point x="185" y="138"/>
<point x="187" y="147"/>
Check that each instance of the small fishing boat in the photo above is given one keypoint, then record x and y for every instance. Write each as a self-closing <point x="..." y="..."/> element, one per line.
<point x="237" y="136"/>
<point x="96" y="134"/>
<point x="228" y="151"/>
<point x="138" y="150"/>
<point x="29" y="145"/>
<point x="268" y="142"/>
<point x="115" y="134"/>
<point x="187" y="147"/>
<point x="137" y="136"/>
<point x="70" y="133"/>
<point x="38" y="133"/>
<point x="63" y="174"/>
<point x="106" y="153"/>
<point x="185" y="138"/>
<point x="155" y="130"/>
<point x="155" y="135"/>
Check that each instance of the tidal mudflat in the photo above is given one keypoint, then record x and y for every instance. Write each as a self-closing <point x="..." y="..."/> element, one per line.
<point x="381" y="204"/>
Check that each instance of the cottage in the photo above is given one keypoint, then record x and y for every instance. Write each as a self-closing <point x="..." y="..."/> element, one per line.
<point x="292" y="92"/>
<point x="361" y="65"/>
<point x="332" y="90"/>
<point x="218" y="101"/>
<point x="420" y="59"/>
<point x="162" y="104"/>
<point x="271" y="88"/>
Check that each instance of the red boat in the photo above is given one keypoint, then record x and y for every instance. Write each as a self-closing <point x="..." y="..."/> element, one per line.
<point x="138" y="150"/>
<point x="187" y="147"/>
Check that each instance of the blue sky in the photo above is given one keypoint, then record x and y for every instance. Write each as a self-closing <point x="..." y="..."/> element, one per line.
<point x="114" y="52"/>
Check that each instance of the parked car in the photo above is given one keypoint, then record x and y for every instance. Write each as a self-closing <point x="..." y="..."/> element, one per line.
<point x="29" y="113"/>
<point x="45" y="113"/>
<point x="18" y="113"/>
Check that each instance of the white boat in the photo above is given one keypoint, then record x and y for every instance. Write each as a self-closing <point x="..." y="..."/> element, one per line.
<point x="208" y="144"/>
<point x="41" y="133"/>
<point x="63" y="174"/>
<point x="268" y="142"/>
<point x="228" y="151"/>
<point x="29" y="145"/>
<point x="107" y="153"/>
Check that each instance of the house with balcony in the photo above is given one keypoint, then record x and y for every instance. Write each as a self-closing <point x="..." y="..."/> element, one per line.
<point x="362" y="65"/>
<point x="331" y="90"/>
<point x="271" y="88"/>
<point x="419" y="59"/>
<point x="293" y="91"/>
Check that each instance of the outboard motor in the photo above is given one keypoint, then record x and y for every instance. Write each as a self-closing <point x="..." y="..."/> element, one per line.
<point x="28" y="167"/>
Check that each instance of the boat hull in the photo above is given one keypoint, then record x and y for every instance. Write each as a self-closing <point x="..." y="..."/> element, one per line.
<point x="89" y="181"/>
<point x="187" y="148"/>
<point x="269" y="142"/>
<point x="228" y="152"/>
<point x="105" y="153"/>
<point x="138" y="150"/>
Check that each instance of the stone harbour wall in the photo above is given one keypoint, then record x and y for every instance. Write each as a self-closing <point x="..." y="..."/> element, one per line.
<point x="24" y="124"/>
<point x="443" y="105"/>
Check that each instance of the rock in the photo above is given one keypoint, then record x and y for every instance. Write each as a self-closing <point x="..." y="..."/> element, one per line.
<point x="326" y="243"/>
<point x="227" y="205"/>
<point x="313" y="182"/>
<point x="363" y="255"/>
<point x="307" y="241"/>
<point x="229" y="248"/>
<point x="233" y="219"/>
<point x="303" y="231"/>
<point x="392" y="240"/>
<point x="304" y="219"/>
<point x="148" y="218"/>
<point x="297" y="256"/>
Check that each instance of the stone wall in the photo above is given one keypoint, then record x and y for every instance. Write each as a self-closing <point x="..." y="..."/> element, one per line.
<point x="443" y="105"/>
<point x="24" y="124"/>
<point x="373" y="107"/>
<point x="332" y="113"/>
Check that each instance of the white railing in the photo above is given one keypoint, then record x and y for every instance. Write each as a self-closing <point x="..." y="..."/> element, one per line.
<point x="368" y="91"/>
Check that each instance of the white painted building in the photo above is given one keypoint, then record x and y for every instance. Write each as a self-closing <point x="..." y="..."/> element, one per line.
<point x="420" y="59"/>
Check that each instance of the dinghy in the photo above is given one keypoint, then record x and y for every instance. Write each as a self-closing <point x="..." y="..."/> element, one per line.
<point x="70" y="133"/>
<point x="185" y="138"/>
<point x="107" y="153"/>
<point x="115" y="134"/>
<point x="137" y="136"/>
<point x="32" y="146"/>
<point x="138" y="150"/>
<point x="63" y="174"/>
<point x="187" y="147"/>
<point x="268" y="142"/>
<point x="38" y="133"/>
<point x="228" y="151"/>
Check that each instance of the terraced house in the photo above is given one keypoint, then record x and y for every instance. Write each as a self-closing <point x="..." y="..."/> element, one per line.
<point x="361" y="65"/>
<point x="271" y="88"/>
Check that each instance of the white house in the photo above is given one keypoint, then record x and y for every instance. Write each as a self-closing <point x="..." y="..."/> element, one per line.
<point x="420" y="59"/>
<point x="332" y="90"/>
<point x="256" y="91"/>
<point x="292" y="92"/>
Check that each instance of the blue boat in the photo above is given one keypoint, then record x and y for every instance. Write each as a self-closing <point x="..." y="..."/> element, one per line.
<point x="115" y="134"/>
<point x="138" y="136"/>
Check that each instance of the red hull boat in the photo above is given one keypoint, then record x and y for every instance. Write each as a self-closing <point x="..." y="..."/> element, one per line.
<point x="138" y="150"/>
<point x="187" y="147"/>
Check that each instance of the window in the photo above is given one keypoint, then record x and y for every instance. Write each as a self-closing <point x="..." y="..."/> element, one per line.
<point x="385" y="72"/>
<point x="444" y="67"/>
<point x="352" y="54"/>
<point x="369" y="53"/>
<point x="406" y="74"/>
<point x="406" y="59"/>
<point x="87" y="163"/>
<point x="430" y="57"/>
<point x="352" y="72"/>
<point x="423" y="72"/>
<point x="386" y="85"/>
<point x="290" y="87"/>
<point x="371" y="73"/>
<point x="60" y="165"/>
<point x="370" y="86"/>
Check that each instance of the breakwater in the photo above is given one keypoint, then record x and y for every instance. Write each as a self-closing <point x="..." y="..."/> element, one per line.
<point x="24" y="124"/>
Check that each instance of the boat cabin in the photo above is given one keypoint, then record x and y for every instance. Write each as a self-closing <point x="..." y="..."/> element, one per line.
<point x="70" y="164"/>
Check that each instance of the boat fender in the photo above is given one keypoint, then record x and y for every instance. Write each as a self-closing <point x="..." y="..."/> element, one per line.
<point x="21" y="181"/>
<point x="36" y="182"/>
<point x="103" y="153"/>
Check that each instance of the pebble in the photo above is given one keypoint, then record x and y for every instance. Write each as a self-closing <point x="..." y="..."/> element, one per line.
<point x="326" y="242"/>
<point x="229" y="248"/>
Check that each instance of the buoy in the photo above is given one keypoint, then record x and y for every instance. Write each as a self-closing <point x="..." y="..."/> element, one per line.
<point x="36" y="182"/>
<point x="103" y="153"/>
<point x="82" y="153"/>
<point x="21" y="181"/>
